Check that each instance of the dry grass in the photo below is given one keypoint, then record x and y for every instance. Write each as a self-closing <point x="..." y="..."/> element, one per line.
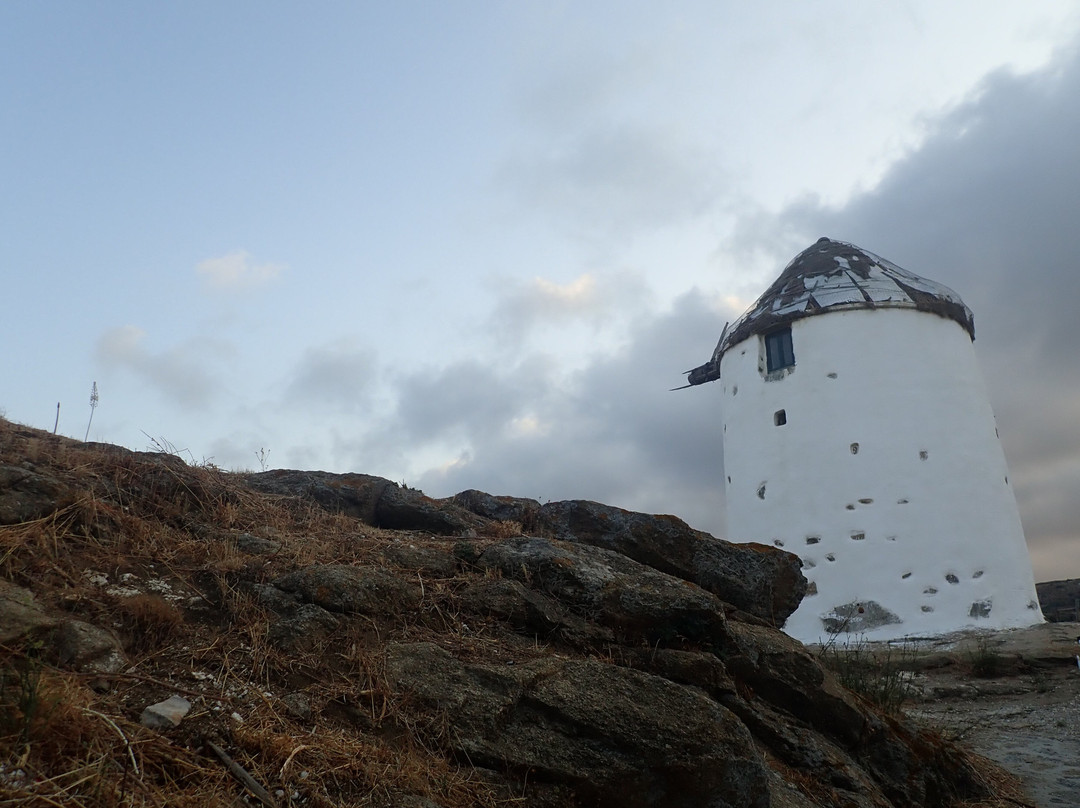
<point x="317" y="727"/>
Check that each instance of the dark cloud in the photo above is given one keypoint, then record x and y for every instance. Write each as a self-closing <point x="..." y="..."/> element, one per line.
<point x="613" y="432"/>
<point x="985" y="206"/>
<point x="988" y="206"/>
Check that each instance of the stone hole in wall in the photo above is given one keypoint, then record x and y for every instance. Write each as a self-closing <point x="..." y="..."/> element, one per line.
<point x="927" y="608"/>
<point x="778" y="542"/>
<point x="811" y="589"/>
<point x="923" y="454"/>
<point x="761" y="491"/>
<point x="849" y="507"/>
<point x="981" y="608"/>
<point x="906" y="575"/>
<point x="902" y="501"/>
<point x="830" y="557"/>
<point x="855" y="618"/>
<point x="858" y="536"/>
<point x="813" y="539"/>
<point x="952" y="578"/>
<point x="735" y="390"/>
<point x="779" y="417"/>
<point x="831" y="375"/>
<point x="1033" y="604"/>
<point x="854" y="448"/>
<point x="930" y="590"/>
<point x="866" y="501"/>
<point x="977" y="574"/>
<point x="729" y="479"/>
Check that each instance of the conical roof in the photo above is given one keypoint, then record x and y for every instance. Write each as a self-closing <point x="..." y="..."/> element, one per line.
<point x="835" y="276"/>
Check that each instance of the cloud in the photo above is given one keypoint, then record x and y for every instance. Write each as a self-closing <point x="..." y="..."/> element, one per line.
<point x="339" y="376"/>
<point x="236" y="272"/>
<point x="180" y="374"/>
<point x="616" y="177"/>
<point x="612" y="432"/>
<point x="590" y="299"/>
<point x="600" y="150"/>
<point x="988" y="207"/>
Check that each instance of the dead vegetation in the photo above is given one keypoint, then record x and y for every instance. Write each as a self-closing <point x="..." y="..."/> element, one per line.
<point x="149" y="547"/>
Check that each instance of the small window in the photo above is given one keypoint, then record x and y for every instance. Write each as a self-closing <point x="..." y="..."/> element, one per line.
<point x="778" y="351"/>
<point x="779" y="417"/>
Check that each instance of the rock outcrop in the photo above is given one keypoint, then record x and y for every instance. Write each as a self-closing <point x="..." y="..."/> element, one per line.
<point x="475" y="650"/>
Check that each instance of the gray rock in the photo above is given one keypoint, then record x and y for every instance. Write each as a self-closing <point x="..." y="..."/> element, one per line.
<point x="430" y="561"/>
<point x="530" y="612"/>
<point x="373" y="500"/>
<point x="20" y="614"/>
<point x="634" y="600"/>
<point x="502" y="509"/>
<point x="165" y="714"/>
<point x="302" y="627"/>
<point x="352" y="590"/>
<point x="617" y="737"/>
<point x="85" y="647"/>
<point x="761" y="580"/>
<point x="255" y="545"/>
<point x="26" y="495"/>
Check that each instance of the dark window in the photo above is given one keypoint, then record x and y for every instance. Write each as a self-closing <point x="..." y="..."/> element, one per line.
<point x="779" y="417"/>
<point x="778" y="351"/>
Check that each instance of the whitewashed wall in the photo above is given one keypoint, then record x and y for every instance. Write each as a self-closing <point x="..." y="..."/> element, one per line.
<point x="888" y="478"/>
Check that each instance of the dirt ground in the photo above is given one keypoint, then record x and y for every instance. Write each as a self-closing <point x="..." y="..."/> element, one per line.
<point x="1026" y="716"/>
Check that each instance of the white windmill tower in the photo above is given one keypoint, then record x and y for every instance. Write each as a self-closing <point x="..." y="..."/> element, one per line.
<point x="858" y="435"/>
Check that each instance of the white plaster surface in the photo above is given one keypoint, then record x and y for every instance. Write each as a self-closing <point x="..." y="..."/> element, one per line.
<point x="920" y="518"/>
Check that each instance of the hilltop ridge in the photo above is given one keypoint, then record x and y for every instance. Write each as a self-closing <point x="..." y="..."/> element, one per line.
<point x="341" y="640"/>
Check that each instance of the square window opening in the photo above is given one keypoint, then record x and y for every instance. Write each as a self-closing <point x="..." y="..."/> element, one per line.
<point x="779" y="417"/>
<point x="779" y="353"/>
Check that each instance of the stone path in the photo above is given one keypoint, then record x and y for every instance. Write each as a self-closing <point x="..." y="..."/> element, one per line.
<point x="1028" y="722"/>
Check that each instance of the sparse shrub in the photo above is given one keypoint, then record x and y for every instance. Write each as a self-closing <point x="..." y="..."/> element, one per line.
<point x="984" y="660"/>
<point x="147" y="621"/>
<point x="882" y="675"/>
<point x="24" y="707"/>
<point x="504" y="529"/>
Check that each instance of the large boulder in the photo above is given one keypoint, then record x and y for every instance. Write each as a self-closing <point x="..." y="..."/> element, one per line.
<point x="26" y="495"/>
<point x="20" y="613"/>
<point x="373" y="500"/>
<point x="352" y="590"/>
<point x="636" y="601"/>
<point x="617" y="737"/>
<point x="500" y="508"/>
<point x="761" y="580"/>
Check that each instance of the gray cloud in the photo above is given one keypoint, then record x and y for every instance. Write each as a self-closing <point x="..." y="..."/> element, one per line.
<point x="988" y="206"/>
<point x="614" y="432"/>
<point x="618" y="177"/>
<point x="591" y="300"/>
<point x="339" y="377"/>
<point x="181" y="374"/>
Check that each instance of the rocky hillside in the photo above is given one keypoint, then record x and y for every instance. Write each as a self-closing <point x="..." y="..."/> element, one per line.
<point x="184" y="636"/>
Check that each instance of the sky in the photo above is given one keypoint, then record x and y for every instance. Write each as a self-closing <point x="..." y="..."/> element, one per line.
<point x="475" y="245"/>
